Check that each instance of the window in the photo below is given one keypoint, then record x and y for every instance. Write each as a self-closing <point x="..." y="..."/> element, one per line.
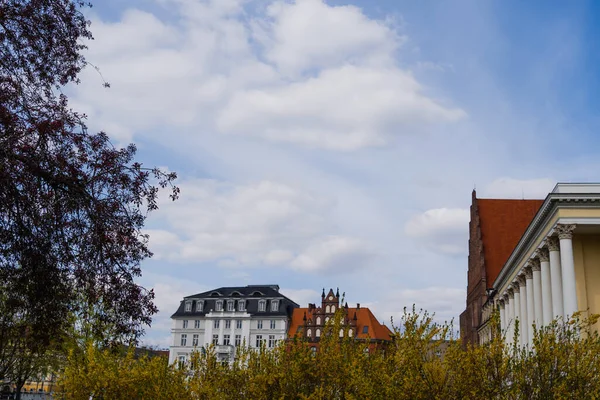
<point x="227" y="324"/>
<point x="188" y="306"/>
<point x="326" y="319"/>
<point x="261" y="305"/>
<point x="215" y="340"/>
<point x="195" y="340"/>
<point x="241" y="305"/>
<point x="272" y="324"/>
<point x="185" y="324"/>
<point x="219" y="305"/>
<point x="341" y="332"/>
<point x="308" y="332"/>
<point x="199" y="305"/>
<point x="275" y="305"/>
<point x="230" y="305"/>
<point x="318" y="320"/>
<point x="259" y="324"/>
<point x="271" y="341"/>
<point x="259" y="341"/>
<point x="327" y="309"/>
<point x="318" y="333"/>
<point x="238" y="340"/>
<point x="197" y="324"/>
<point x="314" y="349"/>
<point x="216" y="324"/>
<point x="366" y="329"/>
<point x="350" y="333"/>
<point x="181" y="361"/>
<point x="238" y="324"/>
<point x="183" y="339"/>
<point x="332" y="309"/>
<point x="226" y="340"/>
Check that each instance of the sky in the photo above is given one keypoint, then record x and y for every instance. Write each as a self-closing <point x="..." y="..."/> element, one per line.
<point x="336" y="143"/>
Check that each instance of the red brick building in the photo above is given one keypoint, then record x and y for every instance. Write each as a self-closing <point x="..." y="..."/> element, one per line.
<point x="495" y="228"/>
<point x="361" y="324"/>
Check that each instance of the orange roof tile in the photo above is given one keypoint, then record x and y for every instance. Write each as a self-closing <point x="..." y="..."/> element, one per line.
<point x="364" y="317"/>
<point x="503" y="223"/>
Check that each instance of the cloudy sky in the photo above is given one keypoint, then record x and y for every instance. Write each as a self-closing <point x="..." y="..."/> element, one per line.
<point x="336" y="143"/>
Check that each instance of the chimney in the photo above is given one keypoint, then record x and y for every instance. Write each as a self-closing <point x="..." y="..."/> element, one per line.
<point x="358" y="306"/>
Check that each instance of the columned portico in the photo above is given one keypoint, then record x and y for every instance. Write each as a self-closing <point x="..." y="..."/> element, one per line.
<point x="537" y="292"/>
<point x="565" y="236"/>
<point x="517" y="311"/>
<point x="555" y="277"/>
<point x="544" y="258"/>
<point x="502" y="308"/>
<point x="510" y="300"/>
<point x="530" y="299"/>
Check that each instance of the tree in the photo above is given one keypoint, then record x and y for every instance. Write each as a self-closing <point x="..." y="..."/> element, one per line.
<point x="72" y="206"/>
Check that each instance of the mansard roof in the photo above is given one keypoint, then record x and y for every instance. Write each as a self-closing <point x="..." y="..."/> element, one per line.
<point x="503" y="223"/>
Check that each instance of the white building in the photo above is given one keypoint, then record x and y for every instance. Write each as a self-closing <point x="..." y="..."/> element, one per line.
<point x="553" y="271"/>
<point x="230" y="317"/>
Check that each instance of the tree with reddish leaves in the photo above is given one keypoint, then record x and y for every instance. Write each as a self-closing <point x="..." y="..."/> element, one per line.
<point x="72" y="206"/>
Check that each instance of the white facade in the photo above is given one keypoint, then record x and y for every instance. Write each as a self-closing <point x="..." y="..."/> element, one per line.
<point x="259" y="321"/>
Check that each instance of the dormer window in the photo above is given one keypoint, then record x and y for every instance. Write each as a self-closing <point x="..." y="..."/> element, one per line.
<point x="188" y="306"/>
<point x="230" y="305"/>
<point x="262" y="305"/>
<point x="219" y="305"/>
<point x="275" y="305"/>
<point x="199" y="305"/>
<point x="241" y="305"/>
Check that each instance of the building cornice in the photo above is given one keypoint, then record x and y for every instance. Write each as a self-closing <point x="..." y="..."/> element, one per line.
<point x="547" y="211"/>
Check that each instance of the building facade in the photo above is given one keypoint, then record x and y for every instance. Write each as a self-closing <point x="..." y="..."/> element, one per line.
<point x="230" y="317"/>
<point x="552" y="271"/>
<point x="357" y="322"/>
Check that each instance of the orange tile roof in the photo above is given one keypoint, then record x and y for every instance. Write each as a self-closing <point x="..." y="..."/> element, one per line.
<point x="364" y="317"/>
<point x="503" y="223"/>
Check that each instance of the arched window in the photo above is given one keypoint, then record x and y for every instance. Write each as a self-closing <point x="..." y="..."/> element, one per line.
<point x="327" y="320"/>
<point x="309" y="332"/>
<point x="341" y="332"/>
<point x="318" y="333"/>
<point x="349" y="332"/>
<point x="318" y="320"/>
<point x="327" y="309"/>
<point x="332" y="309"/>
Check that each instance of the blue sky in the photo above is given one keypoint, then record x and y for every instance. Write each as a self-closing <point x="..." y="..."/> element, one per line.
<point x="336" y="144"/>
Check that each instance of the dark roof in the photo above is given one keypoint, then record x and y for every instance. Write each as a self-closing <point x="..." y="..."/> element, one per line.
<point x="502" y="224"/>
<point x="237" y="294"/>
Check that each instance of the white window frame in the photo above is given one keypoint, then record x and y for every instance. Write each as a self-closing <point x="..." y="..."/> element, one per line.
<point x="188" y="306"/>
<point x="216" y="323"/>
<point x="185" y="324"/>
<point x="272" y="341"/>
<point x="219" y="305"/>
<point x="274" y="305"/>
<point x="238" y="324"/>
<point x="199" y="306"/>
<point x="262" y="305"/>
<point x="226" y="339"/>
<point x="238" y="340"/>
<point x="183" y="340"/>
<point x="197" y="324"/>
<point x="230" y="306"/>
<point x="273" y="324"/>
<point x="227" y="324"/>
<point x="215" y="339"/>
<point x="195" y="340"/>
<point x="241" y="305"/>
<point x="259" y="324"/>
<point x="259" y="341"/>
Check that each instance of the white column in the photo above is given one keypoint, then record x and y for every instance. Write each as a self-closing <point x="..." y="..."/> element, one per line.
<point x="537" y="292"/>
<point x="565" y="236"/>
<point x="511" y="316"/>
<point x="546" y="286"/>
<point x="502" y="308"/>
<point x="555" y="277"/>
<point x="523" y="312"/>
<point x="517" y="310"/>
<point x="530" y="299"/>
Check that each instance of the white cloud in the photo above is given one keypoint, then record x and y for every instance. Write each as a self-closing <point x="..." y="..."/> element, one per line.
<point x="344" y="108"/>
<point x="509" y="188"/>
<point x="301" y="296"/>
<point x="444" y="230"/>
<point x="264" y="223"/>
<point x="305" y="73"/>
